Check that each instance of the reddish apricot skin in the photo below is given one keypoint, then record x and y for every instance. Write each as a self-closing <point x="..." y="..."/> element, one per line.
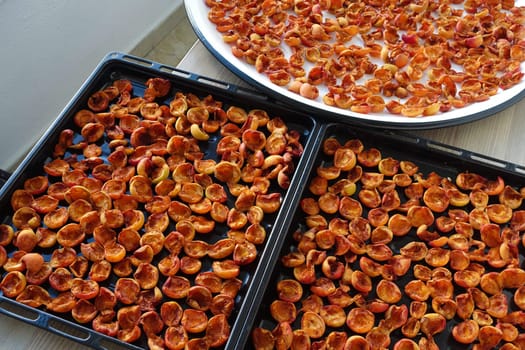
<point x="519" y="297"/>
<point x="399" y="224"/>
<point x="171" y="313"/>
<point x="226" y="269"/>
<point x="322" y="287"/>
<point x="378" y="337"/>
<point x="290" y="290"/>
<point x="194" y="321"/>
<point x="62" y="303"/>
<point x="444" y="306"/>
<point x="388" y="291"/>
<point x="13" y="283"/>
<point x="465" y="305"/>
<point x="175" y="337"/>
<point x="313" y="324"/>
<point x="84" y="289"/>
<point x="498" y="305"/>
<point x="283" y="311"/>
<point x="466" y="332"/>
<point x="361" y="282"/>
<point x="333" y="315"/>
<point x="83" y="311"/>
<point x="127" y="290"/>
<point x="262" y="338"/>
<point x="217" y="330"/>
<point x="176" y="287"/>
<point x="418" y="215"/>
<point x="512" y="277"/>
<point x="437" y="257"/>
<point x="417" y="290"/>
<point x="357" y="342"/>
<point x="467" y="279"/>
<point x="489" y="336"/>
<point x="436" y="199"/>
<point x="360" y="320"/>
<point x="414" y="250"/>
<point x="406" y="344"/>
<point x="491" y="283"/>
<point x="432" y="323"/>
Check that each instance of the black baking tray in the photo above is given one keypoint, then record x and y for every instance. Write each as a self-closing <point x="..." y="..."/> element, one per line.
<point x="430" y="156"/>
<point x="122" y="66"/>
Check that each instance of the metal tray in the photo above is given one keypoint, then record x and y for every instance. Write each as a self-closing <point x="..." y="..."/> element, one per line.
<point x="121" y="66"/>
<point x="430" y="156"/>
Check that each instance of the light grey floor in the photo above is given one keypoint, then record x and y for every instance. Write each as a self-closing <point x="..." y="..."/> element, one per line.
<point x="170" y="42"/>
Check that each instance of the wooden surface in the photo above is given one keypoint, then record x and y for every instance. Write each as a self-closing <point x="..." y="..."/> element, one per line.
<point x="501" y="136"/>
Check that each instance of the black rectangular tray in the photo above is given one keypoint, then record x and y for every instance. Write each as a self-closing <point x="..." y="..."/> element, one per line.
<point x="121" y="66"/>
<point x="431" y="157"/>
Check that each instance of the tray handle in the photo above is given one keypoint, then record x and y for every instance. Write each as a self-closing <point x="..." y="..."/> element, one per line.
<point x="86" y="337"/>
<point x="22" y="313"/>
<point x="458" y="152"/>
<point x="475" y="157"/>
<point x="232" y="88"/>
<point x="42" y="320"/>
<point x="61" y="327"/>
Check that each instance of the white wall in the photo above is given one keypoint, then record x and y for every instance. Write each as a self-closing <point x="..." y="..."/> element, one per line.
<point x="48" y="49"/>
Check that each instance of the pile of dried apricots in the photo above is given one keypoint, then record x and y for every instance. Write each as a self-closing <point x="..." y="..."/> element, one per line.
<point x="383" y="257"/>
<point x="143" y="219"/>
<point x="409" y="58"/>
